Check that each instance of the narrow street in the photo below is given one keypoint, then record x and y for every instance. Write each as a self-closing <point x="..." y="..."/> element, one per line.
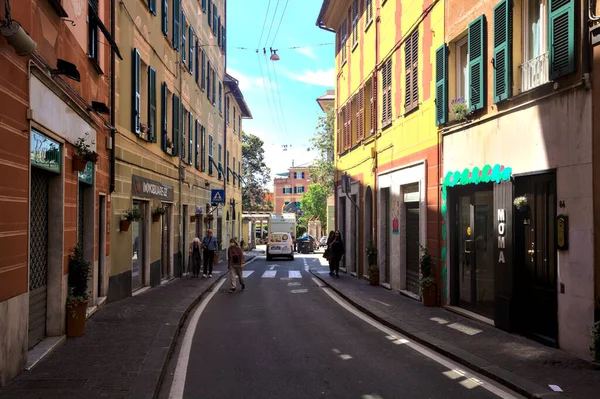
<point x="288" y="336"/>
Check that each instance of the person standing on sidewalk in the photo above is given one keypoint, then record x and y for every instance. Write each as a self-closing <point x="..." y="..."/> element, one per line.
<point x="235" y="257"/>
<point x="209" y="246"/>
<point x="196" y="257"/>
<point x="337" y="251"/>
<point x="327" y="254"/>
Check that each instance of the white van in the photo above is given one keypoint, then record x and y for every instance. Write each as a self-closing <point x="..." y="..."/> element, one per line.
<point x="280" y="244"/>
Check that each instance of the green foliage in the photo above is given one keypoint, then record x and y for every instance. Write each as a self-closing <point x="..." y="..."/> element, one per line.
<point x="133" y="215"/>
<point x="159" y="210"/>
<point x="255" y="172"/>
<point x="79" y="271"/>
<point x="314" y="203"/>
<point x="426" y="263"/>
<point x="322" y="170"/>
<point x="300" y="230"/>
<point x="85" y="150"/>
<point x="372" y="259"/>
<point x="595" y="342"/>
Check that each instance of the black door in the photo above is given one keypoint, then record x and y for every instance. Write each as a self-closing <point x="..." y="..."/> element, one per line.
<point x="535" y="257"/>
<point x="412" y="246"/>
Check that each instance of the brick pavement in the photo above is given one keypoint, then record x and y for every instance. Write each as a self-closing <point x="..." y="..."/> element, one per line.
<point x="515" y="361"/>
<point x="125" y="348"/>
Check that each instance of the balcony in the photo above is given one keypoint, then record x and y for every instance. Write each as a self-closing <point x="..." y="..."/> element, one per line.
<point x="534" y="72"/>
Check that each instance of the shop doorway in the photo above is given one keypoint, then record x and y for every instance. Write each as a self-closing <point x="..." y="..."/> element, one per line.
<point x="385" y="206"/>
<point x="412" y="246"/>
<point x="535" y="258"/>
<point x="473" y="274"/>
<point x="38" y="258"/>
<point x="101" y="245"/>
<point x="164" y="252"/>
<point x="137" y="259"/>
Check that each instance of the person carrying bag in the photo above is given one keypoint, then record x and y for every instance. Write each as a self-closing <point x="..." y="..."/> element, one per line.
<point x="209" y="250"/>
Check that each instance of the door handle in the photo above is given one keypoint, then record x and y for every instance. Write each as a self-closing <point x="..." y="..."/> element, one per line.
<point x="468" y="246"/>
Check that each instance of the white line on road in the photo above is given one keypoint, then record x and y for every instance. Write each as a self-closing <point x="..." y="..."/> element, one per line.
<point x="247" y="273"/>
<point x="294" y="274"/>
<point x="318" y="282"/>
<point x="383" y="303"/>
<point x="178" y="384"/>
<point x="422" y="350"/>
<point x="273" y="267"/>
<point x="269" y="274"/>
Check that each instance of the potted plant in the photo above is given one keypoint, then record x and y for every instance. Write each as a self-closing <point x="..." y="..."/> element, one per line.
<point x="157" y="213"/>
<point x="460" y="109"/>
<point x="77" y="299"/>
<point x="131" y="215"/>
<point x="144" y="128"/>
<point x="595" y="342"/>
<point x="426" y="281"/>
<point x="83" y="154"/>
<point x="372" y="262"/>
<point x="521" y="203"/>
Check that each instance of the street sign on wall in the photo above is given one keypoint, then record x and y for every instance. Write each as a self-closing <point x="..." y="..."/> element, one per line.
<point x="217" y="196"/>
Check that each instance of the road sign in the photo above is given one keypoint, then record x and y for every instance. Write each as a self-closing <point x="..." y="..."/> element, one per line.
<point x="217" y="196"/>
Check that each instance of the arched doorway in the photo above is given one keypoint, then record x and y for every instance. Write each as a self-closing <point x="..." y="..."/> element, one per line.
<point x="368" y="218"/>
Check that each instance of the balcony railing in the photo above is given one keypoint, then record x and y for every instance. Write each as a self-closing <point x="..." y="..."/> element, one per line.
<point x="534" y="72"/>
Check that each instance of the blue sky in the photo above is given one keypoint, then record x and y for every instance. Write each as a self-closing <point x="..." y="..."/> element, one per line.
<point x="281" y="95"/>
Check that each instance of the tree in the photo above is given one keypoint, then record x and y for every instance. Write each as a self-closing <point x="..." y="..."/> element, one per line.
<point x="322" y="170"/>
<point x="314" y="203"/>
<point x="255" y="172"/>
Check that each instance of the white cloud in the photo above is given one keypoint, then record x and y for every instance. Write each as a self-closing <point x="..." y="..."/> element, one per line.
<point x="307" y="51"/>
<point x="248" y="83"/>
<point x="317" y="78"/>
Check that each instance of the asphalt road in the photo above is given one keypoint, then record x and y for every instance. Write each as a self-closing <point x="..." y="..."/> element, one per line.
<point x="287" y="337"/>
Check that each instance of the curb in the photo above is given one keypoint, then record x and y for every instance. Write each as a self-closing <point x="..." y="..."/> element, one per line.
<point x="150" y="379"/>
<point x="507" y="378"/>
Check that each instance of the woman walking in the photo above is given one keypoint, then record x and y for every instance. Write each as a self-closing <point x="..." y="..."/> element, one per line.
<point x="195" y="254"/>
<point x="235" y="257"/>
<point x="336" y="253"/>
<point x="327" y="254"/>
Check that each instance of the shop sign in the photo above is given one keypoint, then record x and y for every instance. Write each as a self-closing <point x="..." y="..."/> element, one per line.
<point x="143" y="187"/>
<point x="501" y="235"/>
<point x="45" y="152"/>
<point x="87" y="175"/>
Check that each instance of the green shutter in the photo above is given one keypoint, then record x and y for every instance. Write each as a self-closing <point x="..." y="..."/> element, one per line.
<point x="165" y="17"/>
<point x="182" y="135"/>
<point x="441" y="86"/>
<point x="203" y="149"/>
<point x="191" y="50"/>
<point x="164" y="117"/>
<point x="152" y="6"/>
<point x="151" y="105"/>
<point x="176" y="18"/>
<point x="135" y="91"/>
<point x="191" y="138"/>
<point x="561" y="33"/>
<point x="175" y="140"/>
<point x="502" y="50"/>
<point x="203" y="77"/>
<point x="477" y="54"/>
<point x="183" y="39"/>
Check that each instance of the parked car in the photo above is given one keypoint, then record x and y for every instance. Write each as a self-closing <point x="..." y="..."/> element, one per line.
<point x="280" y="244"/>
<point x="323" y="241"/>
<point x="308" y="240"/>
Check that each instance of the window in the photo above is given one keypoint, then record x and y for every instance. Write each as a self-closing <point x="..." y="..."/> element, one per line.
<point x="386" y="106"/>
<point x="411" y="63"/>
<point x="210" y="154"/>
<point x="240" y="173"/>
<point x="214" y="86"/>
<point x="227" y="166"/>
<point x="298" y="189"/>
<point x="287" y="190"/>
<point x="151" y="105"/>
<point x="501" y="61"/>
<point x="441" y="85"/>
<point x="197" y="67"/>
<point x="204" y="6"/>
<point x="165" y="17"/>
<point x="462" y="69"/>
<point x="219" y="31"/>
<point x="354" y="13"/>
<point x="136" y="91"/>
<point x="220" y="98"/>
<point x="202" y="148"/>
<point x="183" y="39"/>
<point x="227" y="109"/>
<point x="176" y="16"/>
<point x="214" y="24"/>
<point x="183" y="131"/>
<point x="477" y="70"/>
<point x="360" y="114"/>
<point x="220" y="163"/>
<point x="233" y="170"/>
<point x="191" y="50"/>
<point x="535" y="67"/>
<point x="342" y="36"/>
<point x="240" y="127"/>
<point x="369" y="9"/>
<point x="164" y="133"/>
<point x="152" y="6"/>
<point x="234" y="118"/>
<point x="191" y="138"/>
<point x="209" y="15"/>
<point x="203" y="77"/>
<point x="93" y="41"/>
<point x="197" y="138"/>
<point x="175" y="122"/>
<point x="208" y="77"/>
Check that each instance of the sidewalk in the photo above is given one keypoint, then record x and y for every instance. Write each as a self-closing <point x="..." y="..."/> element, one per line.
<point x="125" y="348"/>
<point x="517" y="362"/>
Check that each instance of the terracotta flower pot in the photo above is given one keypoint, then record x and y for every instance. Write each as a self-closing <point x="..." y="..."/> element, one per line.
<point x="156" y="218"/>
<point x="124" y="225"/>
<point x="76" y="316"/>
<point x="429" y="296"/>
<point x="374" y="279"/>
<point x="79" y="163"/>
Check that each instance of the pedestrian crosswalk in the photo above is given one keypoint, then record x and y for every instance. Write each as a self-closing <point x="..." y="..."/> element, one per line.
<point x="286" y="274"/>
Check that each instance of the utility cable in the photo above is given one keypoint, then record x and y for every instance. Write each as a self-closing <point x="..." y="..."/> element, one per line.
<point x="266" y="92"/>
<point x="273" y="94"/>
<point x="272" y="22"/>
<point x="280" y="20"/>
<point x="264" y="24"/>
<point x="280" y="104"/>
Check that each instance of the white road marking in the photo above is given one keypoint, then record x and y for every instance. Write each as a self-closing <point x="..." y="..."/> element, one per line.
<point x="464" y="329"/>
<point x="323" y="272"/>
<point x="318" y="282"/>
<point x="345" y="357"/>
<point x="269" y="274"/>
<point x="273" y="267"/>
<point x="383" y="303"/>
<point x="294" y="284"/>
<point x="294" y="274"/>
<point x="247" y="273"/>
<point x="302" y="291"/>
<point x="371" y="396"/>
<point x="336" y="351"/>
<point x="422" y="350"/>
<point x="401" y="341"/>
<point x="439" y="320"/>
<point x="180" y="374"/>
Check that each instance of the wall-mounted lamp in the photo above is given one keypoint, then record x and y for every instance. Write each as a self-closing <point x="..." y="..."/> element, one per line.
<point x="17" y="37"/>
<point x="66" y="68"/>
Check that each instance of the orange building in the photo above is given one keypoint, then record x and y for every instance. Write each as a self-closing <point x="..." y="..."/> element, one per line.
<point x="55" y="94"/>
<point x="289" y="187"/>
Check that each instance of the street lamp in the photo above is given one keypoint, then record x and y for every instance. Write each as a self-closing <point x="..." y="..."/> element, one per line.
<point x="274" y="55"/>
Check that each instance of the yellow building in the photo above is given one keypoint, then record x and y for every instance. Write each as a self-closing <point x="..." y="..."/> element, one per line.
<point x="170" y="140"/>
<point x="386" y="141"/>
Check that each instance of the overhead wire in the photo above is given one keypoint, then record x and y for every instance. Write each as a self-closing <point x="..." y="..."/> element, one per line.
<point x="266" y="93"/>
<point x="274" y="99"/>
<point x="280" y="103"/>
<point x="279" y="26"/>
<point x="272" y="22"/>
<point x="264" y="24"/>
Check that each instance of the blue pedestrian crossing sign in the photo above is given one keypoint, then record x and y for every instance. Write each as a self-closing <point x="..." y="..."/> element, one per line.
<point x="217" y="196"/>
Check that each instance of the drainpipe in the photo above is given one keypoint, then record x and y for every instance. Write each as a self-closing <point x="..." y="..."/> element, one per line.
<point x="112" y="101"/>
<point x="374" y="79"/>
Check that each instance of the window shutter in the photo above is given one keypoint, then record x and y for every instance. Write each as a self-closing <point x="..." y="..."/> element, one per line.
<point x="562" y="37"/>
<point x="197" y="70"/>
<point x="152" y="6"/>
<point x="203" y="149"/>
<point x="408" y="77"/>
<point x="386" y="106"/>
<point x="135" y="90"/>
<point x="348" y="137"/>
<point x="214" y="86"/>
<point x="208" y="73"/>
<point x="176" y="17"/>
<point x="165" y="17"/>
<point x="219" y="31"/>
<point x="191" y="49"/>
<point x="197" y="137"/>
<point x="203" y="77"/>
<point x="209" y="13"/>
<point x="191" y="138"/>
<point x="360" y="107"/>
<point x="183" y="39"/>
<point x="339" y="132"/>
<point x="476" y="64"/>
<point x="151" y="105"/>
<point x="175" y="139"/>
<point x="164" y="127"/>
<point x="374" y="104"/>
<point x="220" y="98"/>
<point x="182" y="131"/>
<point x="502" y="64"/>
<point x="415" y="69"/>
<point x="224" y="48"/>
<point x="204" y="6"/>
<point x="441" y="88"/>
<point x="214" y="25"/>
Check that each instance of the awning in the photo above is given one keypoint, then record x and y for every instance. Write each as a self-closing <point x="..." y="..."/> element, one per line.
<point x="105" y="32"/>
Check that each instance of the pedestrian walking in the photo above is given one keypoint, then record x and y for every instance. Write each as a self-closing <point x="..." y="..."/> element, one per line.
<point x="195" y="256"/>
<point x="327" y="253"/>
<point x="235" y="256"/>
<point x="209" y="247"/>
<point x="337" y="251"/>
